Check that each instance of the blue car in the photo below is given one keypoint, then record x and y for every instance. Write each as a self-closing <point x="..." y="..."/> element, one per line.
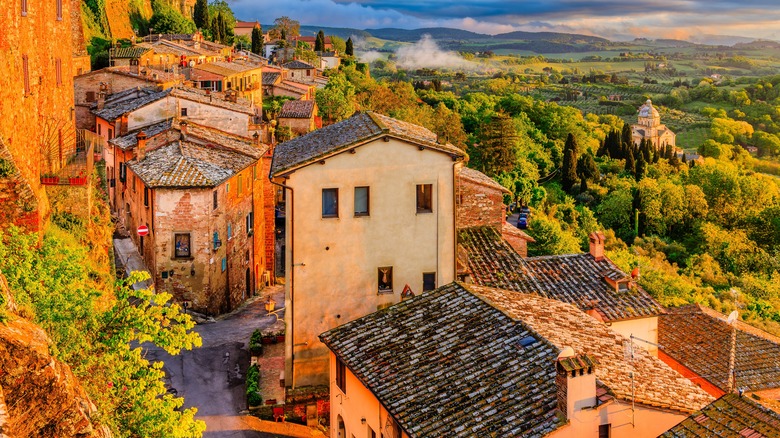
<point x="522" y="221"/>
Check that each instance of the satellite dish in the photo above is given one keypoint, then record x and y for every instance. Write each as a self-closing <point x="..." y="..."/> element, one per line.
<point x="732" y="317"/>
<point x="566" y="352"/>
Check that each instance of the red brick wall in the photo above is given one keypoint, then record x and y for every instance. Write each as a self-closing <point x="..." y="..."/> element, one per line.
<point x="479" y="205"/>
<point x="519" y="244"/>
<point x="269" y="217"/>
<point x="30" y="119"/>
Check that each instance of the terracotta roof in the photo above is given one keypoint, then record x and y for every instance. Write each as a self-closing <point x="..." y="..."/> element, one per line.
<point x="168" y="47"/>
<point x="297" y="109"/>
<point x="360" y="128"/>
<point x="216" y="99"/>
<point x="269" y="78"/>
<point x="129" y="100"/>
<point x="576" y="278"/>
<point x="297" y="65"/>
<point x="185" y="164"/>
<point x="226" y="68"/>
<point x="729" y="416"/>
<point x="655" y="384"/>
<point x="445" y="363"/>
<point x="509" y="229"/>
<point x="130" y="140"/>
<point x="127" y="52"/>
<point x="480" y="178"/>
<point x="701" y="339"/>
<point x="247" y="24"/>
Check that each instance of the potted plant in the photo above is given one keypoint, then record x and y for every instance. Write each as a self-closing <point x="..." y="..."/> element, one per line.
<point x="280" y="336"/>
<point x="78" y="180"/>
<point x="50" y="179"/>
<point x="268" y="338"/>
<point x="256" y="343"/>
<point x="253" y="397"/>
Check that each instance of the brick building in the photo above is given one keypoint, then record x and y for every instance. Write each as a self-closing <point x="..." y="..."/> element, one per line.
<point x="200" y="192"/>
<point x="301" y="116"/>
<point x="36" y="101"/>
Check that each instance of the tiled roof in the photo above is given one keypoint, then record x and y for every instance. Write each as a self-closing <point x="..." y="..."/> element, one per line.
<point x="701" y="339"/>
<point x="297" y="109"/>
<point x="654" y="383"/>
<point x="480" y="178"/>
<point x="445" y="363"/>
<point x="577" y="278"/>
<point x="186" y="164"/>
<point x="168" y="47"/>
<point x="130" y="140"/>
<point x="247" y="24"/>
<point x="127" y="52"/>
<point x="226" y="68"/>
<point x="216" y="99"/>
<point x="297" y="65"/>
<point x="729" y="416"/>
<point x="269" y="78"/>
<point x="340" y="136"/>
<point x="124" y="102"/>
<point x="509" y="229"/>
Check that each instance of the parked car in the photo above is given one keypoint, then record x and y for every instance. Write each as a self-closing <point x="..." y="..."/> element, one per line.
<point x="522" y="221"/>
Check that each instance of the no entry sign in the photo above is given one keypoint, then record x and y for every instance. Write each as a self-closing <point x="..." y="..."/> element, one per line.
<point x="143" y="230"/>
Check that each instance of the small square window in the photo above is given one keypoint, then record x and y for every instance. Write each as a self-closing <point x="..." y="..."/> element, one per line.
<point x="184" y="112"/>
<point x="385" y="279"/>
<point x="605" y="431"/>
<point x="330" y="202"/>
<point x="424" y="198"/>
<point x="182" y="245"/>
<point x="429" y="281"/>
<point x="361" y="201"/>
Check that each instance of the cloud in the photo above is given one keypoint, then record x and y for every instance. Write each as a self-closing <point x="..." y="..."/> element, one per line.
<point x="427" y="54"/>
<point x="617" y="19"/>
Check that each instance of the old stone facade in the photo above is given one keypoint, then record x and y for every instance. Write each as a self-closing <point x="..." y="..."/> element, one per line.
<point x="36" y="98"/>
<point x="480" y="200"/>
<point x="650" y="128"/>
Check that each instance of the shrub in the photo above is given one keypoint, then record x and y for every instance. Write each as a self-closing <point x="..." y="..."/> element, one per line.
<point x="253" y="397"/>
<point x="256" y="342"/>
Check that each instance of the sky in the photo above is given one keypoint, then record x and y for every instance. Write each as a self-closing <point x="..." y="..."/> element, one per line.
<point x="614" y="19"/>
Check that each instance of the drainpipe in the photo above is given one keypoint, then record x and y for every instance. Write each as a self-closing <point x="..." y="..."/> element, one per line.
<point x="292" y="275"/>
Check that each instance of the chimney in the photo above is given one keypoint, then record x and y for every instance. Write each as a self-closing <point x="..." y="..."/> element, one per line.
<point x="123" y="125"/>
<point x="256" y="138"/>
<point x="597" y="245"/>
<point x="140" y="150"/>
<point x="183" y="129"/>
<point x="575" y="379"/>
<point x="101" y="97"/>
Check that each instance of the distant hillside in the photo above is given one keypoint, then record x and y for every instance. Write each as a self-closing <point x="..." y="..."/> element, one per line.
<point x="341" y="32"/>
<point x="758" y="44"/>
<point x="673" y="43"/>
<point x="567" y="38"/>
<point x="438" y="33"/>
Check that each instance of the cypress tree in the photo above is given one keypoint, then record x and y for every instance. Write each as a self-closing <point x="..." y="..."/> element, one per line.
<point x="641" y="168"/>
<point x="200" y="14"/>
<point x="630" y="165"/>
<point x="684" y="158"/>
<point x="350" y="50"/>
<point x="319" y="43"/>
<point x="626" y="136"/>
<point x="586" y="169"/>
<point x="569" y="169"/>
<point x="257" y="40"/>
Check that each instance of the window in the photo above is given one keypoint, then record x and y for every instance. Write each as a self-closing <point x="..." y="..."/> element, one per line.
<point x="605" y="431"/>
<point x="240" y="184"/>
<point x="429" y="281"/>
<point x="215" y="203"/>
<point x="24" y="8"/>
<point x="91" y="97"/>
<point x="216" y="241"/>
<point x="182" y="248"/>
<point x="371" y="433"/>
<point x="134" y="183"/>
<point x="230" y="231"/>
<point x="59" y="10"/>
<point x="224" y="264"/>
<point x="26" y="73"/>
<point x="361" y="201"/>
<point x="58" y="71"/>
<point x="385" y="279"/>
<point x="184" y="112"/>
<point x="250" y="221"/>
<point x="424" y="198"/>
<point x="341" y="375"/>
<point x="330" y="202"/>
<point x="146" y="197"/>
<point x="122" y="171"/>
<point x="100" y="129"/>
<point x="110" y="133"/>
<point x="254" y="171"/>
<point x="227" y="188"/>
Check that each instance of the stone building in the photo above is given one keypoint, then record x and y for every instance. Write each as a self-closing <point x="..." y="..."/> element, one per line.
<point x="300" y="71"/>
<point x="649" y="127"/>
<point x="301" y="116"/>
<point x="36" y="103"/>
<point x="200" y="192"/>
<point x="245" y="78"/>
<point x="370" y="211"/>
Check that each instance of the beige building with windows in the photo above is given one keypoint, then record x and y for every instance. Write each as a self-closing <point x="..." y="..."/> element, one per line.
<point x="649" y="127"/>
<point x="370" y="208"/>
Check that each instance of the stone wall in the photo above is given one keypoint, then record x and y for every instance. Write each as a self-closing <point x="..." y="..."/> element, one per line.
<point x="35" y="119"/>
<point x="90" y="82"/>
<point x="479" y="205"/>
<point x="298" y="398"/>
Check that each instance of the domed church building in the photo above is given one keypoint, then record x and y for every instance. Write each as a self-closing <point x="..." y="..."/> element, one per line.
<point x="649" y="127"/>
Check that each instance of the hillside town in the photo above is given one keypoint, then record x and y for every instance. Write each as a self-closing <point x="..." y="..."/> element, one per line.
<point x="397" y="285"/>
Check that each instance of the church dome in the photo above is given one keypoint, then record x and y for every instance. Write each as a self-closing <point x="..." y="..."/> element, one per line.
<point x="647" y="110"/>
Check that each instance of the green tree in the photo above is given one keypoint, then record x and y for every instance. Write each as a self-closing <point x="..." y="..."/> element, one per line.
<point x="166" y="19"/>
<point x="319" y="43"/>
<point x="630" y="164"/>
<point x="287" y="27"/>
<point x="550" y="238"/>
<point x="257" y="40"/>
<point x="586" y="169"/>
<point x="337" y="100"/>
<point x="338" y="44"/>
<point x="569" y="167"/>
<point x="641" y="168"/>
<point x="200" y="14"/>
<point x="350" y="49"/>
<point x="497" y="147"/>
